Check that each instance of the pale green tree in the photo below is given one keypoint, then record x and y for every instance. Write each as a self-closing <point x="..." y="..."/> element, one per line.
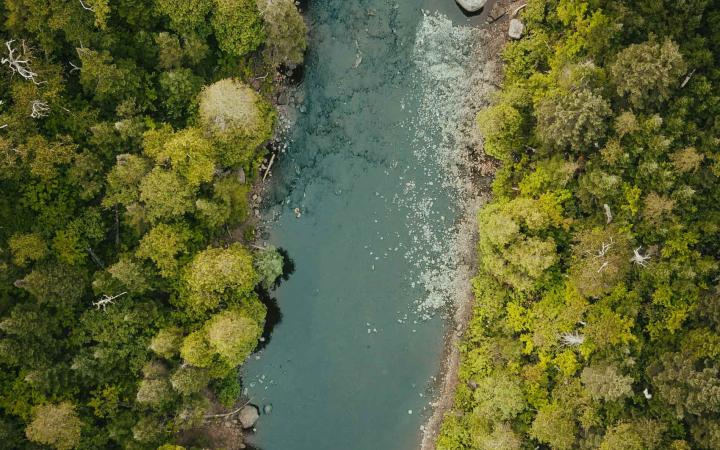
<point x="55" y="425"/>
<point x="54" y="284"/>
<point x="646" y="72"/>
<point x="25" y="248"/>
<point x="238" y="26"/>
<point x="154" y="369"/>
<point x="178" y="91"/>
<point x="147" y="429"/>
<point x="237" y="118"/>
<point x="501" y="126"/>
<point x="164" y="245"/>
<point x="167" y="341"/>
<point x="635" y="435"/>
<point x="123" y="180"/>
<point x="195" y="349"/>
<point x="166" y="195"/>
<point x="575" y="119"/>
<point x="186" y="16"/>
<point x="106" y="79"/>
<point x="154" y="392"/>
<point x="286" y="32"/>
<point x="554" y="425"/>
<point x="131" y="273"/>
<point x="706" y="433"/>
<point x="510" y="255"/>
<point x="170" y="53"/>
<point x="269" y="265"/>
<point x="502" y="437"/>
<point x="189" y="380"/>
<point x="232" y="335"/>
<point x="687" y="160"/>
<point x="606" y="382"/>
<point x="188" y="153"/>
<point x="499" y="396"/>
<point x="218" y="273"/>
<point x="685" y="385"/>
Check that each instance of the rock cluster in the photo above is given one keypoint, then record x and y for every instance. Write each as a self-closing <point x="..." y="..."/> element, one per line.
<point x="471" y="5"/>
<point x="248" y="416"/>
<point x="516" y="29"/>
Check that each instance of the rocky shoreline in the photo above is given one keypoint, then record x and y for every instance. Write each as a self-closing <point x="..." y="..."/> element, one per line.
<point x="480" y="171"/>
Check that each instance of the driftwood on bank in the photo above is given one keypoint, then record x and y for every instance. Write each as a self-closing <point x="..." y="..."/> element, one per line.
<point x="214" y="416"/>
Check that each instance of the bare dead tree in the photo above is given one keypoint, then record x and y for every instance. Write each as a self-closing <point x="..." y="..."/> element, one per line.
<point x="211" y="416"/>
<point x="267" y="171"/>
<point x="608" y="213"/>
<point x="604" y="249"/>
<point x="572" y="339"/>
<point x="74" y="67"/>
<point x="106" y="300"/>
<point x="639" y="259"/>
<point x="95" y="258"/>
<point x="85" y="7"/>
<point x="117" y="226"/>
<point x="687" y="78"/>
<point x="40" y="109"/>
<point x="602" y="267"/>
<point x="18" y="65"/>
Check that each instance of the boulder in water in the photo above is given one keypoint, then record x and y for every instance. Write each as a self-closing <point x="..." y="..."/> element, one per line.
<point x="471" y="5"/>
<point x="267" y="409"/>
<point x="248" y="416"/>
<point x="516" y="29"/>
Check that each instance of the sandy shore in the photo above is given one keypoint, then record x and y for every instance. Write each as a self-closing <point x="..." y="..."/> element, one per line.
<point x="493" y="38"/>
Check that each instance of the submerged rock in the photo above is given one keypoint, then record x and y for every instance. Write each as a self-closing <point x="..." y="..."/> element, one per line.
<point x="267" y="409"/>
<point x="471" y="5"/>
<point x="516" y="29"/>
<point x="248" y="416"/>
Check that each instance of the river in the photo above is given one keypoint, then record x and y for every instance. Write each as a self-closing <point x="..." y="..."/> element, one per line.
<point x="370" y="165"/>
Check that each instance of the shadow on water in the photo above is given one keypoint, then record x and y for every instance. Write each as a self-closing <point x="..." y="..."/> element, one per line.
<point x="274" y="315"/>
<point x="273" y="318"/>
<point x="288" y="266"/>
<point x="296" y="75"/>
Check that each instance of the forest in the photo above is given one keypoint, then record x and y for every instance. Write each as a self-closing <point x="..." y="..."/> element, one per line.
<point x="131" y="135"/>
<point x="597" y="301"/>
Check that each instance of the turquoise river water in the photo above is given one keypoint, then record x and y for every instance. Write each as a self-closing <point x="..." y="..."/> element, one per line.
<point x="351" y="364"/>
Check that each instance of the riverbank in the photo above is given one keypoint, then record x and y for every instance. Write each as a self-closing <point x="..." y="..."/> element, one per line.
<point x="479" y="170"/>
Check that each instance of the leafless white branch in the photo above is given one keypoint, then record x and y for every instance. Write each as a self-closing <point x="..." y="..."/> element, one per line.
<point x="608" y="213"/>
<point x="86" y="7"/>
<point x="572" y="339"/>
<point x="639" y="259"/>
<point x="106" y="300"/>
<point x="687" y="78"/>
<point x="602" y="267"/>
<point x="604" y="249"/>
<point x="19" y="66"/>
<point x="40" y="109"/>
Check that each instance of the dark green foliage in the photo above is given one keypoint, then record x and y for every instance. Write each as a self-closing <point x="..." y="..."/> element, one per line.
<point x="597" y="301"/>
<point x="116" y="211"/>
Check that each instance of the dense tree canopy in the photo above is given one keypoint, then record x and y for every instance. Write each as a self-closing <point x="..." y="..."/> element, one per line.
<point x="130" y="136"/>
<point x="595" y="321"/>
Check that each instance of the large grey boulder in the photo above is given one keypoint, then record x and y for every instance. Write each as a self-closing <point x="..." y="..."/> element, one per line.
<point x="516" y="29"/>
<point x="471" y="5"/>
<point x="248" y="416"/>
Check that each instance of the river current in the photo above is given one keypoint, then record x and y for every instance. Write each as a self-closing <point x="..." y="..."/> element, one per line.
<point x="370" y="164"/>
